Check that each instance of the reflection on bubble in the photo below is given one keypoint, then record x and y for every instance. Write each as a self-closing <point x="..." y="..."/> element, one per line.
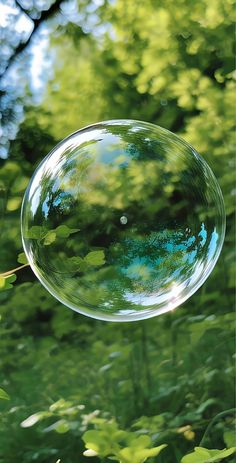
<point x="123" y="220"/>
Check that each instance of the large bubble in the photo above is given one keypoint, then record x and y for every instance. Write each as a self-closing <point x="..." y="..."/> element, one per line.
<point x="122" y="221"/>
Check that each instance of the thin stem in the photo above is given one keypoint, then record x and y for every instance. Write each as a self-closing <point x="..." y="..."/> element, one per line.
<point x="5" y="274"/>
<point x="231" y="411"/>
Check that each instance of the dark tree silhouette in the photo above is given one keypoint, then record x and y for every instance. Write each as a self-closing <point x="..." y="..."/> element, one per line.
<point x="44" y="15"/>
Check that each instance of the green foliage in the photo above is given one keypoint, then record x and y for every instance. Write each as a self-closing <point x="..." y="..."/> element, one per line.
<point x="6" y="281"/>
<point x="229" y="438"/>
<point x="95" y="258"/>
<point x="4" y="395"/>
<point x="123" y="446"/>
<point x="166" y="378"/>
<point x="49" y="236"/>
<point x="22" y="259"/>
<point x="201" y="455"/>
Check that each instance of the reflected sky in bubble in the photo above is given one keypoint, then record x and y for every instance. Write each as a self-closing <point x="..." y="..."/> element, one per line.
<point x="122" y="221"/>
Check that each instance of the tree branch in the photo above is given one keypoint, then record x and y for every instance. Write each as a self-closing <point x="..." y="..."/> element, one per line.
<point x="45" y="15"/>
<point x="22" y="9"/>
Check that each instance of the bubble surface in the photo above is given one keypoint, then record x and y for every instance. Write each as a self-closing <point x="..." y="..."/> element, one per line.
<point x="122" y="221"/>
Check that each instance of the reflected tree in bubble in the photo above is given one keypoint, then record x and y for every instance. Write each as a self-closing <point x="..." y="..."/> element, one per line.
<point x="123" y="220"/>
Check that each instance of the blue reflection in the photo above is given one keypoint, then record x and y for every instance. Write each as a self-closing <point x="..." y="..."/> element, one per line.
<point x="203" y="235"/>
<point x="213" y="244"/>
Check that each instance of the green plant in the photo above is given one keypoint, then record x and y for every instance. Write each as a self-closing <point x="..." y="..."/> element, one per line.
<point x="201" y="455"/>
<point x="4" y="395"/>
<point x="123" y="446"/>
<point x="170" y="63"/>
<point x="107" y="440"/>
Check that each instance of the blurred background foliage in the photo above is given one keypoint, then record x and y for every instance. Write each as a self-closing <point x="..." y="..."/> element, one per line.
<point x="65" y="65"/>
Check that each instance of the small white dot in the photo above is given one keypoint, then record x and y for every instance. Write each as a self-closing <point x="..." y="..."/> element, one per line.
<point x="123" y="220"/>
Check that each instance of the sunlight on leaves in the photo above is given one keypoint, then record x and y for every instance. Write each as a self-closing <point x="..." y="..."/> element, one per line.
<point x="95" y="258"/>
<point x="22" y="259"/>
<point x="202" y="455"/>
<point x="4" y="395"/>
<point x="6" y="282"/>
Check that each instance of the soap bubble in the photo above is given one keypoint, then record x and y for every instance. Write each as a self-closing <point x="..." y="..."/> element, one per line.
<point x="123" y="220"/>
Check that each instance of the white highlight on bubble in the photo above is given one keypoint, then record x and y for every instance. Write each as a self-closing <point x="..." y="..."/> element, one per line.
<point x="123" y="220"/>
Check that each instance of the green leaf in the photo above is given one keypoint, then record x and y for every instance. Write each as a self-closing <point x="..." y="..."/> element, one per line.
<point x="60" y="426"/>
<point x="95" y="258"/>
<point x="139" y="442"/>
<point x="4" y="395"/>
<point x="139" y="455"/>
<point x="97" y="441"/>
<point x="36" y="232"/>
<point x="6" y="282"/>
<point x="33" y="419"/>
<point x="63" y="231"/>
<point x="230" y="438"/>
<point x="49" y="238"/>
<point x="202" y="455"/>
<point x="76" y="264"/>
<point x="22" y="259"/>
<point x="60" y="405"/>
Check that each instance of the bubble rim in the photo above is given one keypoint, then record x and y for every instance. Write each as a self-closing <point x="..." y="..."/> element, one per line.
<point x="140" y="315"/>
